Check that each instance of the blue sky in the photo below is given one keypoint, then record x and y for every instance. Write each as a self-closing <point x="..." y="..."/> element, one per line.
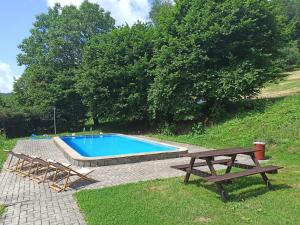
<point x="17" y="16"/>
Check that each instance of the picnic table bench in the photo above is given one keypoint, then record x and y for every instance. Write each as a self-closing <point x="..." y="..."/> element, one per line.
<point x="229" y="162"/>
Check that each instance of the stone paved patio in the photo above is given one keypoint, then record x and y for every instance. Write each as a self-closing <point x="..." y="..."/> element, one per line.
<point x="32" y="203"/>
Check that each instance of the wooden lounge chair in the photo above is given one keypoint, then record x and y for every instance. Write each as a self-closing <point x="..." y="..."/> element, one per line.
<point x="61" y="179"/>
<point x="13" y="166"/>
<point x="42" y="169"/>
<point x="24" y="163"/>
<point x="26" y="167"/>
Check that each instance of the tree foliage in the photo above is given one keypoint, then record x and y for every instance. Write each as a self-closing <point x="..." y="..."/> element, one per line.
<point x="291" y="10"/>
<point x="157" y="7"/>
<point x="18" y="121"/>
<point x="212" y="51"/>
<point x="52" y="53"/>
<point x="114" y="79"/>
<point x="290" y="15"/>
<point x="2" y="104"/>
<point x="290" y="56"/>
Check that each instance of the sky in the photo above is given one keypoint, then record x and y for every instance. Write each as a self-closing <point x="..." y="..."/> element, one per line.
<point x="17" y="16"/>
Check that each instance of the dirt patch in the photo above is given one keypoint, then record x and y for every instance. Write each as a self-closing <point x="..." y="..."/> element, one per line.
<point x="297" y="186"/>
<point x="202" y="219"/>
<point x="157" y="188"/>
<point x="287" y="87"/>
<point x="293" y="75"/>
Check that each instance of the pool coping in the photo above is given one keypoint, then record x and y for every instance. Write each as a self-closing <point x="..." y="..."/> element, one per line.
<point x="75" y="158"/>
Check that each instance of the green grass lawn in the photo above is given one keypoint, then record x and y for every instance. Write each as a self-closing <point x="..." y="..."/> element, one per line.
<point x="1" y="210"/>
<point x="5" y="144"/>
<point x="169" y="201"/>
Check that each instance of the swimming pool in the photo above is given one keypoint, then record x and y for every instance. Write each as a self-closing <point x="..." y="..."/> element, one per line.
<point x="111" y="149"/>
<point x="112" y="145"/>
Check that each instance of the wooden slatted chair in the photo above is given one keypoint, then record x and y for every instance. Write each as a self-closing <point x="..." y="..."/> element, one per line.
<point x="24" y="163"/>
<point x="42" y="169"/>
<point x="61" y="179"/>
<point x="27" y="165"/>
<point x="11" y="165"/>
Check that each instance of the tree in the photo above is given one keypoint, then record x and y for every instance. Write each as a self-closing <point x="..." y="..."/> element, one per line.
<point x="291" y="10"/>
<point x="52" y="53"/>
<point x="2" y="104"/>
<point x="113" y="80"/>
<point x="157" y="7"/>
<point x="213" y="52"/>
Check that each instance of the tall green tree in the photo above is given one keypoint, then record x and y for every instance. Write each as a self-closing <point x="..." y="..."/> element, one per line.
<point x="113" y="79"/>
<point x="291" y="9"/>
<point x="52" y="53"/>
<point x="212" y="51"/>
<point x="2" y="104"/>
<point x="157" y="7"/>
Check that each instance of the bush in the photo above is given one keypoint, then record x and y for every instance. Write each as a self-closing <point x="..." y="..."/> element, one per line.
<point x="290" y="56"/>
<point x="167" y="128"/>
<point x="21" y="124"/>
<point x="198" y="128"/>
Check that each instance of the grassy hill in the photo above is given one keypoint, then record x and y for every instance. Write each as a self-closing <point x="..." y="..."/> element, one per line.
<point x="275" y="119"/>
<point x="277" y="122"/>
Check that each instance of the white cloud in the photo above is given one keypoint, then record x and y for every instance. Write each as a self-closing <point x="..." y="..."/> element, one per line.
<point x="124" y="11"/>
<point x="6" y="78"/>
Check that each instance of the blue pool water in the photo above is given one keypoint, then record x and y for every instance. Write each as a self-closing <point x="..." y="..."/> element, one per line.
<point x="112" y="145"/>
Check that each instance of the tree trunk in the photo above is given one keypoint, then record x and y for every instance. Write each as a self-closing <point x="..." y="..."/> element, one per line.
<point x="96" y="122"/>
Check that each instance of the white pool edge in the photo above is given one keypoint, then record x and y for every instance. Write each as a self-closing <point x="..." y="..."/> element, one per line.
<point x="74" y="157"/>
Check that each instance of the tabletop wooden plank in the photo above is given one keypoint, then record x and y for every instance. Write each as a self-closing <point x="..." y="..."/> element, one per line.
<point x="198" y="164"/>
<point x="219" y="152"/>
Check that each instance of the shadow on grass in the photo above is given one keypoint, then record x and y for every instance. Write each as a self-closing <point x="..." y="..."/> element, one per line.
<point x="247" y="188"/>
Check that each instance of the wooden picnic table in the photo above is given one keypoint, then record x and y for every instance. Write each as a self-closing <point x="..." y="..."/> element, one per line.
<point x="229" y="162"/>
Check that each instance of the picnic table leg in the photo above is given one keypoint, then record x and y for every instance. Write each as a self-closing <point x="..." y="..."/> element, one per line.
<point x="230" y="164"/>
<point x="220" y="187"/>
<point x="189" y="170"/>
<point x="263" y="175"/>
<point x="229" y="167"/>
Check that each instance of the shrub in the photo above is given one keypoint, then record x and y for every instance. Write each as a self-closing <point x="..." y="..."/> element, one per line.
<point x="290" y="56"/>
<point x="198" y="128"/>
<point x="20" y="124"/>
<point x="167" y="128"/>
